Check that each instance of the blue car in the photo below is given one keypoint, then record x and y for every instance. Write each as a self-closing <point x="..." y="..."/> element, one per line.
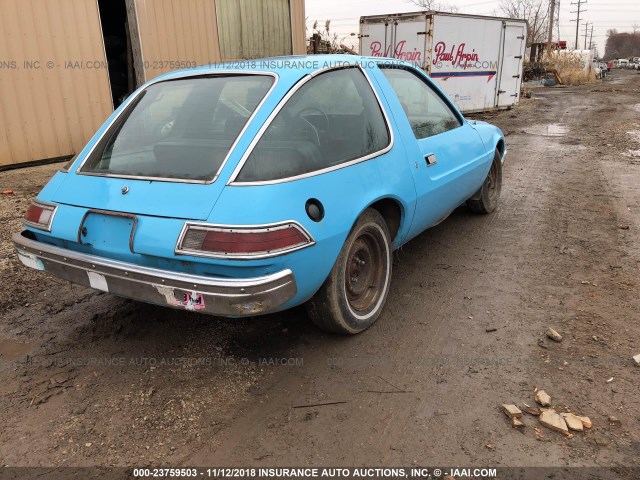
<point x="245" y="189"/>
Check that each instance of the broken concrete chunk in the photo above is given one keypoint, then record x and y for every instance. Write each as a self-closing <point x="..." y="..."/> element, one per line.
<point x="553" y="335"/>
<point x="530" y="410"/>
<point x="614" y="420"/>
<point x="512" y="411"/>
<point x="553" y="421"/>
<point x="516" y="423"/>
<point x="586" y="422"/>
<point x="573" y="421"/>
<point x="637" y="359"/>
<point x="543" y="398"/>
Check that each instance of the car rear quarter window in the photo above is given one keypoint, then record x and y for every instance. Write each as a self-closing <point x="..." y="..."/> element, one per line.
<point x="334" y="118"/>
<point x="179" y="129"/>
<point x="427" y="112"/>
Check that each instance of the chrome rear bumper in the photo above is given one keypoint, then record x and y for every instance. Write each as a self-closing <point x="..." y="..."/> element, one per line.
<point x="216" y="296"/>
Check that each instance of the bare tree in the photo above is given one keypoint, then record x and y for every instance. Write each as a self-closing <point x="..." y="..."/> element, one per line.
<point x="536" y="12"/>
<point x="435" y="5"/>
<point x="325" y="40"/>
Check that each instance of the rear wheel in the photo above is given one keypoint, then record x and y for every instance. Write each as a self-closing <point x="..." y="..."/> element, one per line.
<point x="486" y="199"/>
<point x="354" y="294"/>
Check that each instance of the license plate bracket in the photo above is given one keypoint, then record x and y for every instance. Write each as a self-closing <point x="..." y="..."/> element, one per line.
<point x="107" y="230"/>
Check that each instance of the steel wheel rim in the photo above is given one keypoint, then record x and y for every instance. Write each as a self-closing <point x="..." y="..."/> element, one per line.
<point x="365" y="274"/>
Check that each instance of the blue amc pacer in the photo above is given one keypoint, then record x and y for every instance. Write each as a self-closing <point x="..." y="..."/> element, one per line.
<point x="239" y="190"/>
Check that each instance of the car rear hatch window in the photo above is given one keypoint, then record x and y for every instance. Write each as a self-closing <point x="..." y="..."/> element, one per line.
<point x="179" y="130"/>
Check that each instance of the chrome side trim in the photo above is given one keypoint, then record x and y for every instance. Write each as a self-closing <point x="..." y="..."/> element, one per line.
<point x="133" y="98"/>
<point x="205" y="294"/>
<point x="244" y="228"/>
<point x="39" y="226"/>
<point x="232" y="180"/>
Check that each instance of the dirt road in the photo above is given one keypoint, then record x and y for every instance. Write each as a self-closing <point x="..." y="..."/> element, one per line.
<point x="92" y="379"/>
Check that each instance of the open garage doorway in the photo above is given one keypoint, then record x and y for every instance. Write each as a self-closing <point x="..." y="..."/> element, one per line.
<point x="117" y="45"/>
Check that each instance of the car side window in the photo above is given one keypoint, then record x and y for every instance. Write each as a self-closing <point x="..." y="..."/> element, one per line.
<point x="427" y="112"/>
<point x="332" y="119"/>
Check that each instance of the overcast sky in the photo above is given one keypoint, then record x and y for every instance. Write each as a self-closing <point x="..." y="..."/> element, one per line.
<point x="605" y="14"/>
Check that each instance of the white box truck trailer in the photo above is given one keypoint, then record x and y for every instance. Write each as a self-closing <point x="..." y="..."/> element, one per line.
<point x="476" y="60"/>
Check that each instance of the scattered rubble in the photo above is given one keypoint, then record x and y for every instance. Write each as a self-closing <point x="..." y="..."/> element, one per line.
<point x="573" y="421"/>
<point x="543" y="398"/>
<point x="512" y="411"/>
<point x="550" y="419"/>
<point x="553" y="335"/>
<point x="516" y="423"/>
<point x="586" y="422"/>
<point x="531" y="410"/>
<point x="563" y="422"/>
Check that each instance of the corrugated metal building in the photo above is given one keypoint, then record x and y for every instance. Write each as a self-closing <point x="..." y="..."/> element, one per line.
<point x="64" y="64"/>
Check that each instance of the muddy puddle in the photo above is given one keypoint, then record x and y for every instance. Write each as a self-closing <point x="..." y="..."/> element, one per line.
<point x="635" y="136"/>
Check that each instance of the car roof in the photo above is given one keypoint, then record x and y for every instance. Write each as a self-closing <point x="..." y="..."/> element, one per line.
<point x="300" y="64"/>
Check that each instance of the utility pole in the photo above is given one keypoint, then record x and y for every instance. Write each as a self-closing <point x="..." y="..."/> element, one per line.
<point x="591" y="40"/>
<point x="558" y="19"/>
<point x="552" y="6"/>
<point x="579" y="4"/>
<point x="586" y="33"/>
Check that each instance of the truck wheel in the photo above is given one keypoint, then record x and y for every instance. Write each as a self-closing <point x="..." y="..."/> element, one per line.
<point x="486" y="199"/>
<point x="354" y="294"/>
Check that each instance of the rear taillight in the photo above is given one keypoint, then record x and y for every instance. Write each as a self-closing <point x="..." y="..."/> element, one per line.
<point x="40" y="215"/>
<point x="242" y="242"/>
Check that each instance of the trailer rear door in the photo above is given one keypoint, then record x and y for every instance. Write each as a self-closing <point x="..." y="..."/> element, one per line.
<point x="512" y="58"/>
<point x="404" y="38"/>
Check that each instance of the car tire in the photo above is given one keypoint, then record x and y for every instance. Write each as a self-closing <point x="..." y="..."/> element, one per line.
<point x="353" y="296"/>
<point x="486" y="199"/>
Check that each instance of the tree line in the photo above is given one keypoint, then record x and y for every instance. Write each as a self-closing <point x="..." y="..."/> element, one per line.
<point x="622" y="45"/>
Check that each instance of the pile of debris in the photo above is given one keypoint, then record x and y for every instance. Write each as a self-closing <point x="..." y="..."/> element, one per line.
<point x="564" y="422"/>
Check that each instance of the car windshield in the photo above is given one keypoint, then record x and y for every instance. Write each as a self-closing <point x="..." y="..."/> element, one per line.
<point x="179" y="129"/>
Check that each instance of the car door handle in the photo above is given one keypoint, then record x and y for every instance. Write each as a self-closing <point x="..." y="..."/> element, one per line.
<point x="430" y="159"/>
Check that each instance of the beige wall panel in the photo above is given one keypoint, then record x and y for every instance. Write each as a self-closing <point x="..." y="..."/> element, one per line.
<point x="298" y="27"/>
<point x="51" y="105"/>
<point x="177" y="31"/>
<point x="254" y="28"/>
<point x="230" y="31"/>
